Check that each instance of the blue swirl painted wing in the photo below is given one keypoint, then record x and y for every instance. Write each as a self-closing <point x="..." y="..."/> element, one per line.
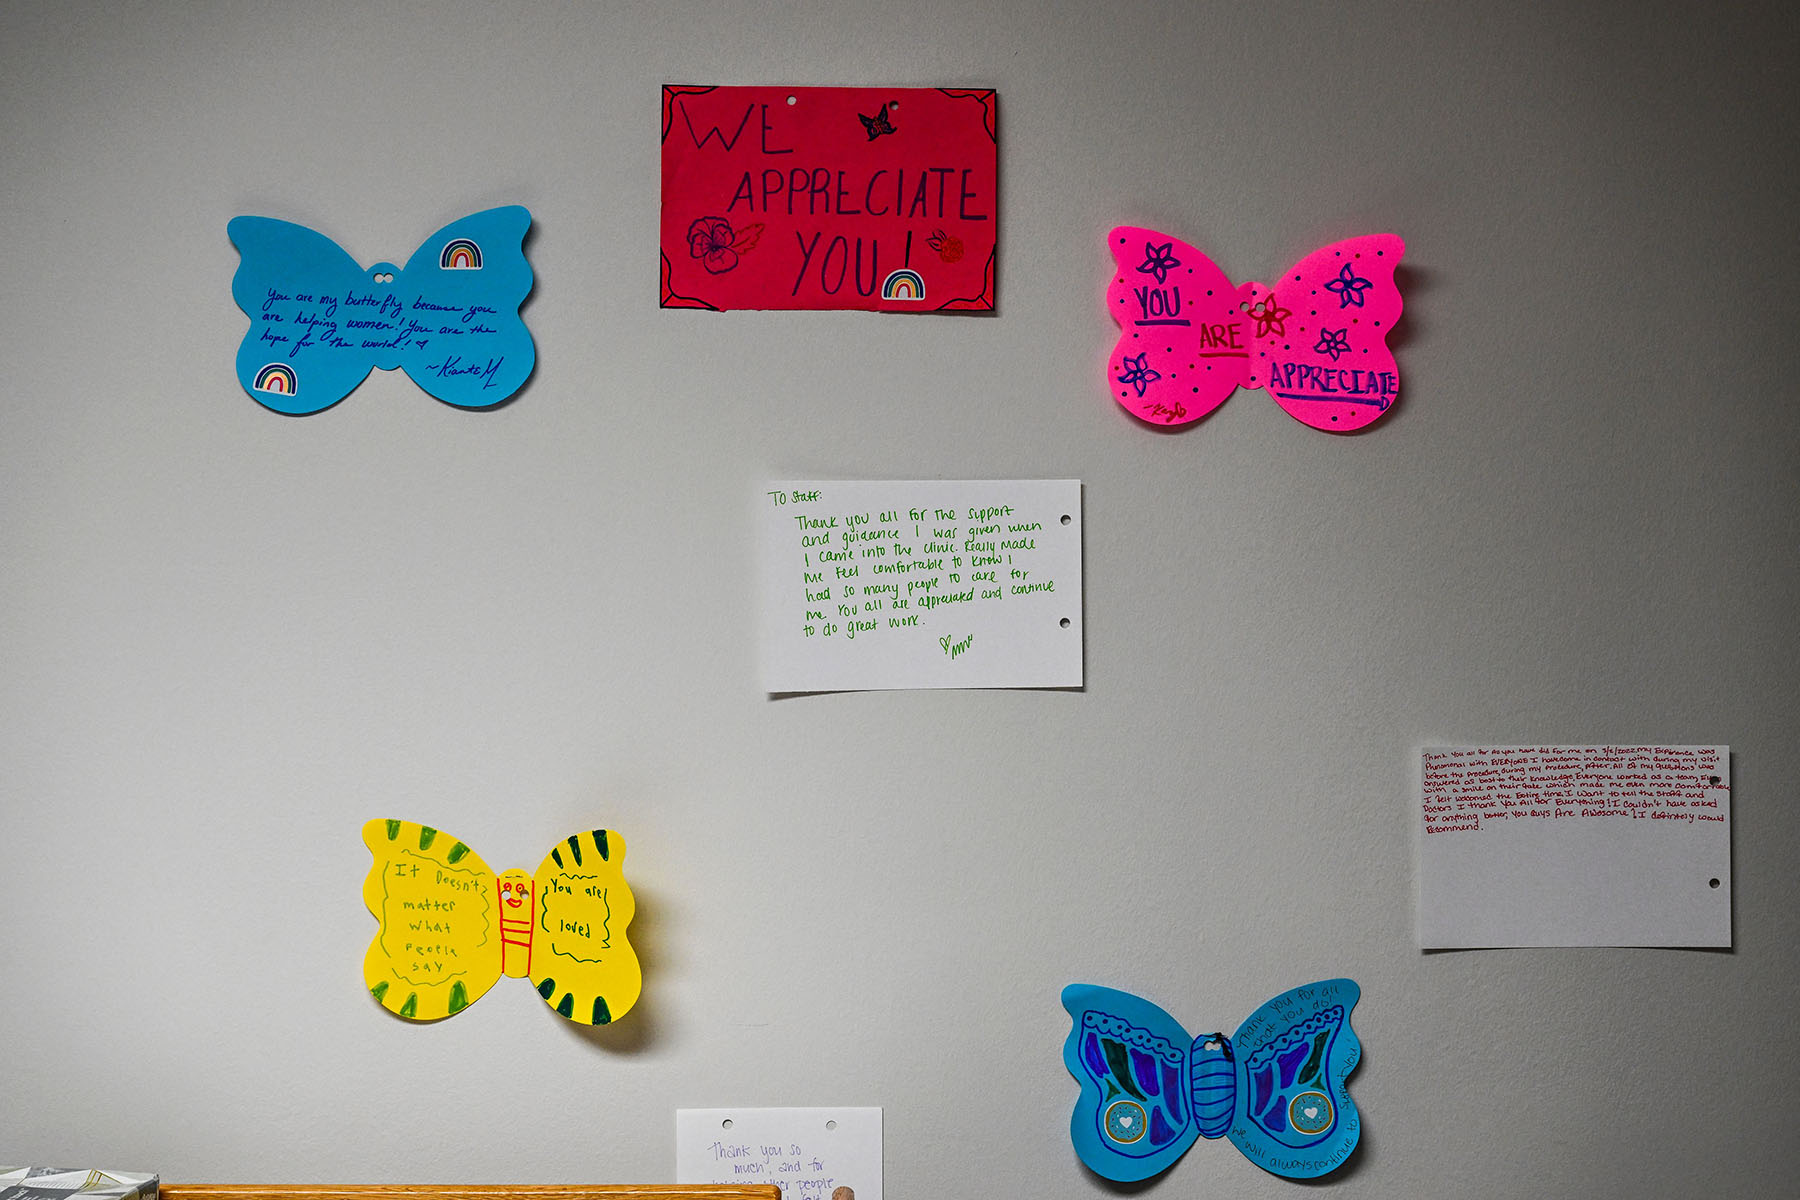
<point x="1294" y="1114"/>
<point x="285" y="361"/>
<point x="1132" y="1118"/>
<point x="467" y="344"/>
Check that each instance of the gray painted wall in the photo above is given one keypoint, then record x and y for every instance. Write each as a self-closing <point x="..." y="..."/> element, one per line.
<point x="229" y="637"/>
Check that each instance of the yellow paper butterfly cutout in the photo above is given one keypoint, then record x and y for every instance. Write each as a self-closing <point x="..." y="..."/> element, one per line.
<point x="450" y="926"/>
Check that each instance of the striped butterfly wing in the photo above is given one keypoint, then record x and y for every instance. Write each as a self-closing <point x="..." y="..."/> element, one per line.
<point x="1294" y="1113"/>
<point x="1133" y="1117"/>
<point x="437" y="947"/>
<point x="580" y="961"/>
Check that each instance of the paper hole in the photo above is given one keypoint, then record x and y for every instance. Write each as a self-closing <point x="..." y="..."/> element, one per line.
<point x="1064" y="622"/>
<point x="893" y="104"/>
<point x="1067" y="518"/>
<point x="725" y="1124"/>
<point x="831" y="1124"/>
<point x="1712" y="883"/>
<point x="1712" y="779"/>
<point x="793" y="99"/>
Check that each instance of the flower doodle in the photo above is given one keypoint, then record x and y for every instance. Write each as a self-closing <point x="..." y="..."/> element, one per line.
<point x="1333" y="342"/>
<point x="1159" y="260"/>
<point x="1138" y="373"/>
<point x="712" y="240"/>
<point x="1349" y="287"/>
<point x="1270" y="317"/>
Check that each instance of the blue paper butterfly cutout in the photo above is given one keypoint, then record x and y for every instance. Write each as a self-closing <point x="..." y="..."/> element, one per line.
<point x="1275" y="1088"/>
<point x="319" y="322"/>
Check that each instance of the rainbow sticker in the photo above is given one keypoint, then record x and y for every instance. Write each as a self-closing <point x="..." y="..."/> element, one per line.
<point x="460" y="255"/>
<point x="278" y="378"/>
<point x="903" y="284"/>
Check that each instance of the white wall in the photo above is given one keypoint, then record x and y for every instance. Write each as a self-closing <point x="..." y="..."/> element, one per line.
<point x="230" y="637"/>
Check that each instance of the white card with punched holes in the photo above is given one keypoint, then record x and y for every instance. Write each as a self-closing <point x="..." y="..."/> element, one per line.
<point x="810" y="1153"/>
<point x="1615" y="845"/>
<point x="968" y="583"/>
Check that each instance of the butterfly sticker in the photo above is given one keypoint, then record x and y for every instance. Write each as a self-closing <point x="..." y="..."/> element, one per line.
<point x="877" y="123"/>
<point x="1316" y="341"/>
<point x="1275" y="1087"/>
<point x="319" y="322"/>
<point x="450" y="927"/>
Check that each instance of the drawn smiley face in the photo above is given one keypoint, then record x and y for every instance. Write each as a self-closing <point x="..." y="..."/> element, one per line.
<point x="515" y="891"/>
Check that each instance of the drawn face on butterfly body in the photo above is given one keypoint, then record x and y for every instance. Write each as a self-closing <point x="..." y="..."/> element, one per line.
<point x="515" y="922"/>
<point x="450" y="927"/>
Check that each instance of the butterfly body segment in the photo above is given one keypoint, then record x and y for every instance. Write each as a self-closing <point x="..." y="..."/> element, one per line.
<point x="1316" y="341"/>
<point x="319" y="322"/>
<point x="1275" y="1089"/>
<point x="450" y="927"/>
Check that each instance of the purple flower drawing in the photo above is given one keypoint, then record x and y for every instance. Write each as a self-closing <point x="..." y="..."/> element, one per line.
<point x="710" y="239"/>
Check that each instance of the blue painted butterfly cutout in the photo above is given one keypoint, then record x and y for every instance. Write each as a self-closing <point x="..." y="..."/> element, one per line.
<point x="319" y="322"/>
<point x="1275" y="1088"/>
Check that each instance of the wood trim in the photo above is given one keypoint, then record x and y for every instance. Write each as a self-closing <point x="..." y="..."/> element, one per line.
<point x="430" y="1191"/>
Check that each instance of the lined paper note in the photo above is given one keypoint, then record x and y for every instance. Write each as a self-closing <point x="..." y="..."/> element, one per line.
<point x="810" y="1153"/>
<point x="920" y="584"/>
<point x="1575" y="846"/>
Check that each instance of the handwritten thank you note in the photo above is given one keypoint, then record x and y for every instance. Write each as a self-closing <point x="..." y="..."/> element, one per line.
<point x="920" y="584"/>
<point x="1575" y="846"/>
<point x="829" y="197"/>
<point x="810" y="1153"/>
<point x="319" y="322"/>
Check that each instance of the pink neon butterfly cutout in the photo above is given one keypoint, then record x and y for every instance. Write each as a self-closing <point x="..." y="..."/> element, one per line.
<point x="1316" y="341"/>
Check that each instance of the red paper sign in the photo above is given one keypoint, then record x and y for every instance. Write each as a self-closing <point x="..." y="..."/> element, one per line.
<point x="833" y="197"/>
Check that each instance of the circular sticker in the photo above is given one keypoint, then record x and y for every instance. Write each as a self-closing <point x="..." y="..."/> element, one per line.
<point x="1310" y="1113"/>
<point x="1125" y="1121"/>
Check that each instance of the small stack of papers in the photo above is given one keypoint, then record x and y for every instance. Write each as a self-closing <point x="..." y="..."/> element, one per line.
<point x="60" y="1183"/>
